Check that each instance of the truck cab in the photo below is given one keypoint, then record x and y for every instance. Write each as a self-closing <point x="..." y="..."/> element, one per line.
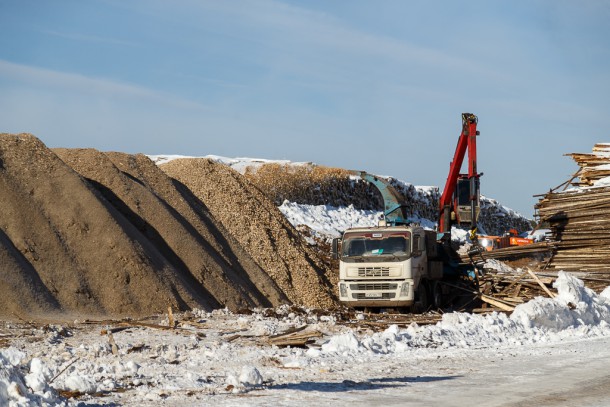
<point x="387" y="266"/>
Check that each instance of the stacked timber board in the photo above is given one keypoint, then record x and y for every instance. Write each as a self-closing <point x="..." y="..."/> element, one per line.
<point x="593" y="167"/>
<point x="580" y="218"/>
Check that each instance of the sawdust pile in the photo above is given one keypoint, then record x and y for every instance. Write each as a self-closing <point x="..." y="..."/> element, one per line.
<point x="259" y="226"/>
<point x="95" y="233"/>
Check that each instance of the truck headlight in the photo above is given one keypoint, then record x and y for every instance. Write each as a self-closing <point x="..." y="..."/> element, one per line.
<point x="404" y="289"/>
<point x="342" y="290"/>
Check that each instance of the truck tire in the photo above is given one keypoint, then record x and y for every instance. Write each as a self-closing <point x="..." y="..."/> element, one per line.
<point x="422" y="298"/>
<point x="436" y="294"/>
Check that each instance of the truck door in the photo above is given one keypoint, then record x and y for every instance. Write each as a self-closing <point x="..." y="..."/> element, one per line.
<point x="418" y="259"/>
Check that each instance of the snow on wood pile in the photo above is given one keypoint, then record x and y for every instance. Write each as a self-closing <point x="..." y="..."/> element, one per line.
<point x="311" y="184"/>
<point x="580" y="218"/>
<point x="65" y="248"/>
<point x="136" y="187"/>
<point x="260" y="227"/>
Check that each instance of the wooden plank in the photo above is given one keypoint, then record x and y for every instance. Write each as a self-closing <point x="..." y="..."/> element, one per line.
<point x="544" y="287"/>
<point x="496" y="303"/>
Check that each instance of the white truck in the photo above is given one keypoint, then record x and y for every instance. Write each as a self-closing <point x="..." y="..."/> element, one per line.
<point x="398" y="263"/>
<point x="389" y="267"/>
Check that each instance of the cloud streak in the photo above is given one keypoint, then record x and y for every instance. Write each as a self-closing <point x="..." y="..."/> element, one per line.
<point x="82" y="84"/>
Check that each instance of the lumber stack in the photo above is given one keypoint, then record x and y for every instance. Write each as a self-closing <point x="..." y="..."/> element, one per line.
<point x="593" y="166"/>
<point x="580" y="218"/>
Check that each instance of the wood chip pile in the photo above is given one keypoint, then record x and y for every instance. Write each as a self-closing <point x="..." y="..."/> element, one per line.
<point x="580" y="218"/>
<point x="110" y="234"/>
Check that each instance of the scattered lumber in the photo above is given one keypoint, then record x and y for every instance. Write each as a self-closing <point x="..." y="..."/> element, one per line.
<point x="295" y="337"/>
<point x="507" y="290"/>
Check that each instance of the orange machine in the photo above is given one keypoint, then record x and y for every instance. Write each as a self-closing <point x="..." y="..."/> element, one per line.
<point x="510" y="239"/>
<point x="489" y="243"/>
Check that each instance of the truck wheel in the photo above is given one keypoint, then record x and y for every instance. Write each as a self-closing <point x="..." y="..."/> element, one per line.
<point x="422" y="298"/>
<point x="437" y="295"/>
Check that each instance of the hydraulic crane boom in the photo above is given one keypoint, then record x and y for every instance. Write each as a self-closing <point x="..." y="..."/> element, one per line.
<point x="459" y="202"/>
<point x="394" y="206"/>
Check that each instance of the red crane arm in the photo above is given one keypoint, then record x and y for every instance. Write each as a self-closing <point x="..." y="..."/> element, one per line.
<point x="466" y="142"/>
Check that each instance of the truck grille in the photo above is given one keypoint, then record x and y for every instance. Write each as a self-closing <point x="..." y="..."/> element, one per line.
<point x="384" y="296"/>
<point x="373" y="286"/>
<point x="373" y="271"/>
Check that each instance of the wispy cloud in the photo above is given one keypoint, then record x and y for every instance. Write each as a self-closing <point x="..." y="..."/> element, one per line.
<point x="82" y="84"/>
<point x="307" y="42"/>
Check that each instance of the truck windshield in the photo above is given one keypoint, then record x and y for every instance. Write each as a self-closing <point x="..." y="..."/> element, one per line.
<point x="376" y="244"/>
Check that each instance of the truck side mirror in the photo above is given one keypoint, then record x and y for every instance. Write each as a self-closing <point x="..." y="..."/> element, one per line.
<point x="335" y="249"/>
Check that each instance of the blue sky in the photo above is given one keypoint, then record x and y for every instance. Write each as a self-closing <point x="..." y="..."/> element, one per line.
<point x="374" y="85"/>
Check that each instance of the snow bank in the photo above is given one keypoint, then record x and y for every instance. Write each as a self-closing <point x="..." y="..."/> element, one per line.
<point x="248" y="378"/>
<point x="576" y="305"/>
<point x="576" y="312"/>
<point x="327" y="222"/>
<point x="30" y="389"/>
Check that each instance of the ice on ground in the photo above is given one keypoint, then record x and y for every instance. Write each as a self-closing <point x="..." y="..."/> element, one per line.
<point x="343" y="343"/>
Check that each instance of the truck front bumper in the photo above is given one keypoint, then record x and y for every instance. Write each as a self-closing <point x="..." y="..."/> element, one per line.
<point x="367" y="293"/>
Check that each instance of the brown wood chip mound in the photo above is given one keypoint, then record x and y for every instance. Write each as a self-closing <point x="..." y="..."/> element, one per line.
<point x="259" y="226"/>
<point x="91" y="233"/>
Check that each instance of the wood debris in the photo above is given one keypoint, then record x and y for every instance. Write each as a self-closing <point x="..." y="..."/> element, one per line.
<point x="295" y="337"/>
<point x="504" y="291"/>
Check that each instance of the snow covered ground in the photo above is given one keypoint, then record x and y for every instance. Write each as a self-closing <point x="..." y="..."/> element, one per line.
<point x="548" y="352"/>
